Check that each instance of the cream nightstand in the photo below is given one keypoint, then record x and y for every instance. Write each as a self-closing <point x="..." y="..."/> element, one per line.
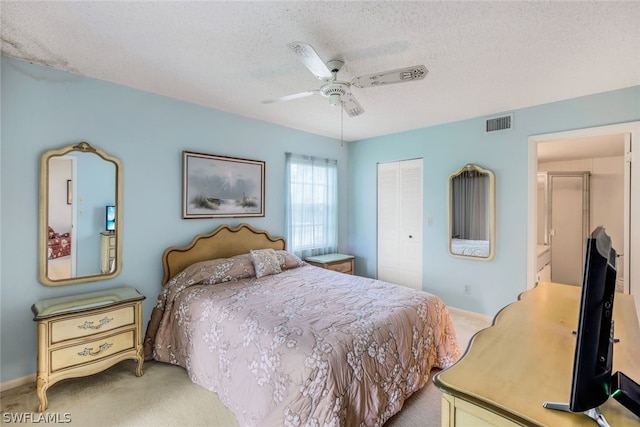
<point x="107" y="252"/>
<point x="84" y="334"/>
<point x="336" y="262"/>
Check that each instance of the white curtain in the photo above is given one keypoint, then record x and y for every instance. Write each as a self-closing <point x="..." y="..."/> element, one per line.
<point x="311" y="212"/>
<point x="470" y="202"/>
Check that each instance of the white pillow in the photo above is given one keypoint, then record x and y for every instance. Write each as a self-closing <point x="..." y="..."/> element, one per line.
<point x="265" y="262"/>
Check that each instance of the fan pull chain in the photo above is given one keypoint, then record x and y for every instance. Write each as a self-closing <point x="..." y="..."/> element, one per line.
<point x="341" y="124"/>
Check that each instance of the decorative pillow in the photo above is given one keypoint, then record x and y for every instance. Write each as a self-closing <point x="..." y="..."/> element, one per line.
<point x="265" y="262"/>
<point x="220" y="270"/>
<point x="288" y="260"/>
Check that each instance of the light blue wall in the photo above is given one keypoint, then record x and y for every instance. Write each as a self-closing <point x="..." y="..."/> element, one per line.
<point x="44" y="109"/>
<point x="96" y="188"/>
<point x="448" y="147"/>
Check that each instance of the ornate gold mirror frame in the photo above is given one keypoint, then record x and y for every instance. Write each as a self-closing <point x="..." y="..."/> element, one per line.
<point x="96" y="183"/>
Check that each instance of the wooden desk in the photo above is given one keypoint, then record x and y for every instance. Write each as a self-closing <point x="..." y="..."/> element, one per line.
<point x="526" y="358"/>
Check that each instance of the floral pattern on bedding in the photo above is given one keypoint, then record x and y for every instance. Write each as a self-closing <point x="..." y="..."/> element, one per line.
<point x="58" y="245"/>
<point x="310" y="346"/>
<point x="265" y="262"/>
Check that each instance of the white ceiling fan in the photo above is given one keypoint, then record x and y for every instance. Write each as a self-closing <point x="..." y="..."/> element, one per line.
<point x="337" y="91"/>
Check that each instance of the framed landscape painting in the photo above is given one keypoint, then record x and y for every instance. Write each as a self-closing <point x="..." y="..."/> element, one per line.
<point x="217" y="186"/>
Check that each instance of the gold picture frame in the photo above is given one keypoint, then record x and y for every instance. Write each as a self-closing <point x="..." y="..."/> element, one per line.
<point x="218" y="186"/>
<point x="69" y="192"/>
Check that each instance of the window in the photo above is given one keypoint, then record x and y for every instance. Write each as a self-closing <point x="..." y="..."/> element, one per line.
<point x="311" y="214"/>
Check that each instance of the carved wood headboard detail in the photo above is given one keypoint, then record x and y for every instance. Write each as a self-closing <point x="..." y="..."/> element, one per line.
<point x="224" y="242"/>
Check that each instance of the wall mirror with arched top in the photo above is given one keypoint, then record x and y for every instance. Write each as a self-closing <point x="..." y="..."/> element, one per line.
<point x="472" y="215"/>
<point x="80" y="235"/>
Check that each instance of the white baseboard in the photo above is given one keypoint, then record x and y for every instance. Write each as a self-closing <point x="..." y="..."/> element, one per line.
<point x="471" y="313"/>
<point x="17" y="382"/>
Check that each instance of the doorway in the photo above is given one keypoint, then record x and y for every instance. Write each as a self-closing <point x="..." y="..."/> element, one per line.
<point x="399" y="212"/>
<point x="62" y="217"/>
<point x="630" y="250"/>
<point x="564" y="222"/>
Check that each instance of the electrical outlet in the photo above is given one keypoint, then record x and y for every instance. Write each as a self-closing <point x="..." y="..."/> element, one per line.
<point x="467" y="289"/>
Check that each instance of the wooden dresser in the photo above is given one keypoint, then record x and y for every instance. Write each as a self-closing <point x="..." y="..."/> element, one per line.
<point x="336" y="262"/>
<point x="85" y="334"/>
<point x="526" y="358"/>
<point x="107" y="252"/>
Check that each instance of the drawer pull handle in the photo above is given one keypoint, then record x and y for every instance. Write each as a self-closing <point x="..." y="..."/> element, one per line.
<point x="89" y="325"/>
<point x="90" y="352"/>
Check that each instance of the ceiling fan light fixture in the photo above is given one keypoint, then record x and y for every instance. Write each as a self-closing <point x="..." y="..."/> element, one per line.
<point x="334" y="99"/>
<point x="339" y="92"/>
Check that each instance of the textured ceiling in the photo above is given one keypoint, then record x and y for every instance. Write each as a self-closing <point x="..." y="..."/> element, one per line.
<point x="482" y="57"/>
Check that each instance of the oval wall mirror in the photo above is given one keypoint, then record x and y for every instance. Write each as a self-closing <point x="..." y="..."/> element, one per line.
<point x="80" y="215"/>
<point x="472" y="213"/>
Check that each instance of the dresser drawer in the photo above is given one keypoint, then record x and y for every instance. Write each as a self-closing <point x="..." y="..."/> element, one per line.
<point x="91" y="324"/>
<point x="92" y="350"/>
<point x="342" y="267"/>
<point x="84" y="334"/>
<point x="335" y="262"/>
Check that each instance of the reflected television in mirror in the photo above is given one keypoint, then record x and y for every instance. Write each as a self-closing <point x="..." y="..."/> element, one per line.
<point x="110" y="219"/>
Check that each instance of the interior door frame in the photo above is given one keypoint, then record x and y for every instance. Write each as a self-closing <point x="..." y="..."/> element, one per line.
<point x="419" y="229"/>
<point x="74" y="215"/>
<point x="632" y="217"/>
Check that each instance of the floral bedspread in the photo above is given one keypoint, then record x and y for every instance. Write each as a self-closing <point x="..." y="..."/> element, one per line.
<point x="58" y="245"/>
<point x="306" y="346"/>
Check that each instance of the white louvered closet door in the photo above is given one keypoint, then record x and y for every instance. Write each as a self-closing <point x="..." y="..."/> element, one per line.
<point x="400" y="222"/>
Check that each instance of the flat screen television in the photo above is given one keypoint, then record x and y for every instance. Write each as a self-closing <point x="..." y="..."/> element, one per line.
<point x="110" y="219"/>
<point x="592" y="364"/>
<point x="590" y="386"/>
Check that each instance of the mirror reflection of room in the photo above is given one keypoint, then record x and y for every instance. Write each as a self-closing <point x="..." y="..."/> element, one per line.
<point x="60" y="221"/>
<point x="79" y="213"/>
<point x="471" y="212"/>
<point x="76" y="223"/>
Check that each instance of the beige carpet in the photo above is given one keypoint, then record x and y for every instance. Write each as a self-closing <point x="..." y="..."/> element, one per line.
<point x="59" y="268"/>
<point x="164" y="396"/>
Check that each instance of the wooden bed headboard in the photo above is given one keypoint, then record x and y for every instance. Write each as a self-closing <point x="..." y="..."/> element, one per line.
<point x="224" y="242"/>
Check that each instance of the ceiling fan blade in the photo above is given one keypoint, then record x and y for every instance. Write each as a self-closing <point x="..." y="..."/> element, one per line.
<point x="401" y="75"/>
<point x="351" y="105"/>
<point x="290" y="97"/>
<point x="311" y="60"/>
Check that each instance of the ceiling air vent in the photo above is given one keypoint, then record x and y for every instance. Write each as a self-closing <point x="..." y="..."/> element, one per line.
<point x="499" y="123"/>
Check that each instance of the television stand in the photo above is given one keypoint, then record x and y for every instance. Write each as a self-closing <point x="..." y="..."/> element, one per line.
<point x="626" y="391"/>
<point x="593" y="413"/>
